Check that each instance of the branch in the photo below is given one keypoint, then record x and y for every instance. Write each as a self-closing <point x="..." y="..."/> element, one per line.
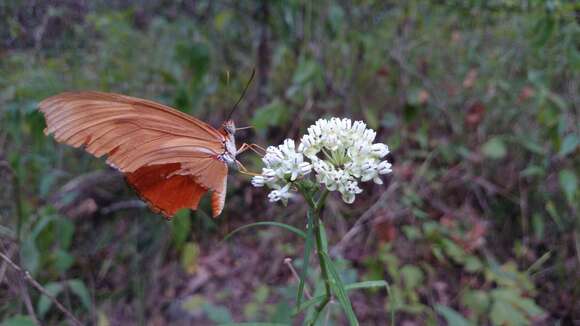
<point x="26" y="276"/>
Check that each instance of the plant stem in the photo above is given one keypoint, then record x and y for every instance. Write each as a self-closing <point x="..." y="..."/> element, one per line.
<point x="314" y="210"/>
<point x="320" y="248"/>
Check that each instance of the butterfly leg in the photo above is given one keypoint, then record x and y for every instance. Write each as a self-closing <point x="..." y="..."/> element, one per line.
<point x="245" y="171"/>
<point x="253" y="147"/>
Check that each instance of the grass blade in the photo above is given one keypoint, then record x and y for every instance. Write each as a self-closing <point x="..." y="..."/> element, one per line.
<point x="350" y="287"/>
<point x="290" y="228"/>
<point x="367" y="285"/>
<point x="340" y="290"/>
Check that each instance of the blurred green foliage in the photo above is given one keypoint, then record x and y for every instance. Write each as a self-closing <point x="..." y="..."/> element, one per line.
<point x="477" y="99"/>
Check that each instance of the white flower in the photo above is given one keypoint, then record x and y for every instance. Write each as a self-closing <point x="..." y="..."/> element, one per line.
<point x="340" y="152"/>
<point x="343" y="152"/>
<point x="282" y="166"/>
<point x="379" y="150"/>
<point x="258" y="181"/>
<point x="281" y="194"/>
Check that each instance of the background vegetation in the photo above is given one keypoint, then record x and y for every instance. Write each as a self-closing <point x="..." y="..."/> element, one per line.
<point x="478" y="100"/>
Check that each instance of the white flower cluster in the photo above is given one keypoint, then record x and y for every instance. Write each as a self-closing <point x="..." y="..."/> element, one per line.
<point x="341" y="153"/>
<point x="283" y="165"/>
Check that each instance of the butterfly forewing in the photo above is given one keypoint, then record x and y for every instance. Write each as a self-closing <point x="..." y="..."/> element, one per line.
<point x="169" y="157"/>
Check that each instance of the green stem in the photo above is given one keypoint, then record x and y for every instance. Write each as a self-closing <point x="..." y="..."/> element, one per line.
<point x="321" y="247"/>
<point x="18" y="202"/>
<point x="314" y="210"/>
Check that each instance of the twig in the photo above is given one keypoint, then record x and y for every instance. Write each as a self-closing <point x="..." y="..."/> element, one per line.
<point x="363" y="219"/>
<point x="121" y="205"/>
<point x="380" y="203"/>
<point x="26" y="275"/>
<point x="288" y="262"/>
<point x="4" y="265"/>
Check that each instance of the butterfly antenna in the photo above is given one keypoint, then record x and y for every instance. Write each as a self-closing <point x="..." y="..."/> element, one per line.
<point x="243" y="94"/>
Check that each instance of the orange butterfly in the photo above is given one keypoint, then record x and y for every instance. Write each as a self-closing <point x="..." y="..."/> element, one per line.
<point x="170" y="158"/>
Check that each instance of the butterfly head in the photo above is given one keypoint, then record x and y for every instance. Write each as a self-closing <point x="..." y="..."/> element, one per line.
<point x="229" y="127"/>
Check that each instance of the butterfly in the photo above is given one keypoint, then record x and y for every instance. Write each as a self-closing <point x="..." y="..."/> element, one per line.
<point x="170" y="158"/>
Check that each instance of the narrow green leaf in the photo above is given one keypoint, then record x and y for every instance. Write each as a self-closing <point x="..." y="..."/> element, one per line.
<point x="452" y="317"/>
<point x="18" y="320"/>
<point x="290" y="228"/>
<point x="80" y="290"/>
<point x="180" y="228"/>
<point x="350" y="287"/>
<point x="44" y="302"/>
<point x="30" y="256"/>
<point x="538" y="263"/>
<point x="65" y="230"/>
<point x="569" y="145"/>
<point x="339" y="290"/>
<point x="324" y="237"/>
<point x="569" y="184"/>
<point x="309" y="303"/>
<point x="366" y="285"/>
<point x="307" y="251"/>
<point x="218" y="314"/>
<point x="530" y="307"/>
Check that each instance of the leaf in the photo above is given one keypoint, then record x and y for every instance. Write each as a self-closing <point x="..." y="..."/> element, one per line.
<point x="80" y="290"/>
<point x="193" y="304"/>
<point x="18" y="320"/>
<point x="569" y="145"/>
<point x="44" y="303"/>
<point x="472" y="264"/>
<point x="65" y="230"/>
<point x="324" y="238"/>
<point x="189" y="257"/>
<point x="530" y="307"/>
<point x="305" y="72"/>
<point x="372" y="118"/>
<point x="505" y="314"/>
<point x="476" y="300"/>
<point x="195" y="56"/>
<point x="218" y="314"/>
<point x="532" y="146"/>
<point x="412" y="276"/>
<point x="569" y="184"/>
<point x="494" y="148"/>
<point x="350" y="287"/>
<point x="335" y="18"/>
<point x="453" y="250"/>
<point x="222" y="19"/>
<point x="538" y="263"/>
<point x="63" y="260"/>
<point x="538" y="225"/>
<point x="307" y="252"/>
<point x="339" y="290"/>
<point x="30" y="256"/>
<point x="367" y="285"/>
<point x="290" y="228"/>
<point x="261" y="294"/>
<point x="180" y="228"/>
<point x="533" y="170"/>
<point x="273" y="114"/>
<point x="543" y="30"/>
<point x="452" y="317"/>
